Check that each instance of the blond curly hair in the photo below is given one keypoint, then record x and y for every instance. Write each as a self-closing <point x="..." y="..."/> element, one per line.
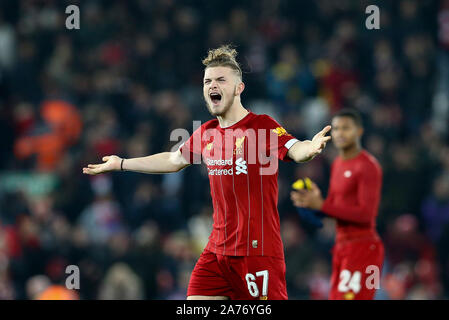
<point x="224" y="56"/>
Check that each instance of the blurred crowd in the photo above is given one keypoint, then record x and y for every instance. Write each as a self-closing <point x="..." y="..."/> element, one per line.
<point x="132" y="74"/>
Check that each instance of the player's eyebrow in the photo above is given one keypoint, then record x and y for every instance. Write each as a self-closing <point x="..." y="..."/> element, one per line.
<point x="219" y="78"/>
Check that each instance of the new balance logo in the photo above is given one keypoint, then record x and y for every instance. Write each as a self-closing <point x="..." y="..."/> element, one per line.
<point x="240" y="166"/>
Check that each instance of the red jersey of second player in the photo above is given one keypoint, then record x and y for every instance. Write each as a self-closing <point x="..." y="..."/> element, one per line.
<point x="354" y="196"/>
<point x="242" y="164"/>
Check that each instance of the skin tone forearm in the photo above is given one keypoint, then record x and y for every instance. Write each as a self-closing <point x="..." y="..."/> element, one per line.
<point x="165" y="162"/>
<point x="300" y="151"/>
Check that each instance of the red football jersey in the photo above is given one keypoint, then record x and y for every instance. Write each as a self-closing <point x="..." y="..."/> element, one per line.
<point x="354" y="196"/>
<point x="242" y="164"/>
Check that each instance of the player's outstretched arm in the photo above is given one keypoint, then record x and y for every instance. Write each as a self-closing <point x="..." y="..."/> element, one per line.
<point x="165" y="162"/>
<point x="306" y="150"/>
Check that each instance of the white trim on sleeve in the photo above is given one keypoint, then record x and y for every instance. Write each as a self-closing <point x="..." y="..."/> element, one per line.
<point x="290" y="143"/>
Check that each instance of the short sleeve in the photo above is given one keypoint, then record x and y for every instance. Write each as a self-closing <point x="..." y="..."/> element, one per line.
<point x="279" y="141"/>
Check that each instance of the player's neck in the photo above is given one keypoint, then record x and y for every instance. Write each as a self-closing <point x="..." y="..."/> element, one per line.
<point x="351" y="152"/>
<point x="235" y="113"/>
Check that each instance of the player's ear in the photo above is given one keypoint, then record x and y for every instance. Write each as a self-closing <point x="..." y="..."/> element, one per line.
<point x="360" y="131"/>
<point x="240" y="88"/>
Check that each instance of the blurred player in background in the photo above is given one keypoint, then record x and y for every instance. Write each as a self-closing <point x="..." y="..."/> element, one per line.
<point x="244" y="258"/>
<point x="353" y="200"/>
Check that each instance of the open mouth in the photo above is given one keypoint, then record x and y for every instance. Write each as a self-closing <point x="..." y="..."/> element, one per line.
<point x="215" y="98"/>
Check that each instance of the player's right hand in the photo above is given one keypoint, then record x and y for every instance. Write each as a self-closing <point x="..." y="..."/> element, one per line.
<point x="111" y="163"/>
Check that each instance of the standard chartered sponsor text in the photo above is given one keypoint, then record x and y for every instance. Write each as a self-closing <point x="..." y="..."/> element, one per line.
<point x="219" y="162"/>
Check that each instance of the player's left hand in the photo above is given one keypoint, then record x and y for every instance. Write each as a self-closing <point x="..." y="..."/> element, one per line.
<point x="318" y="142"/>
<point x="311" y="199"/>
